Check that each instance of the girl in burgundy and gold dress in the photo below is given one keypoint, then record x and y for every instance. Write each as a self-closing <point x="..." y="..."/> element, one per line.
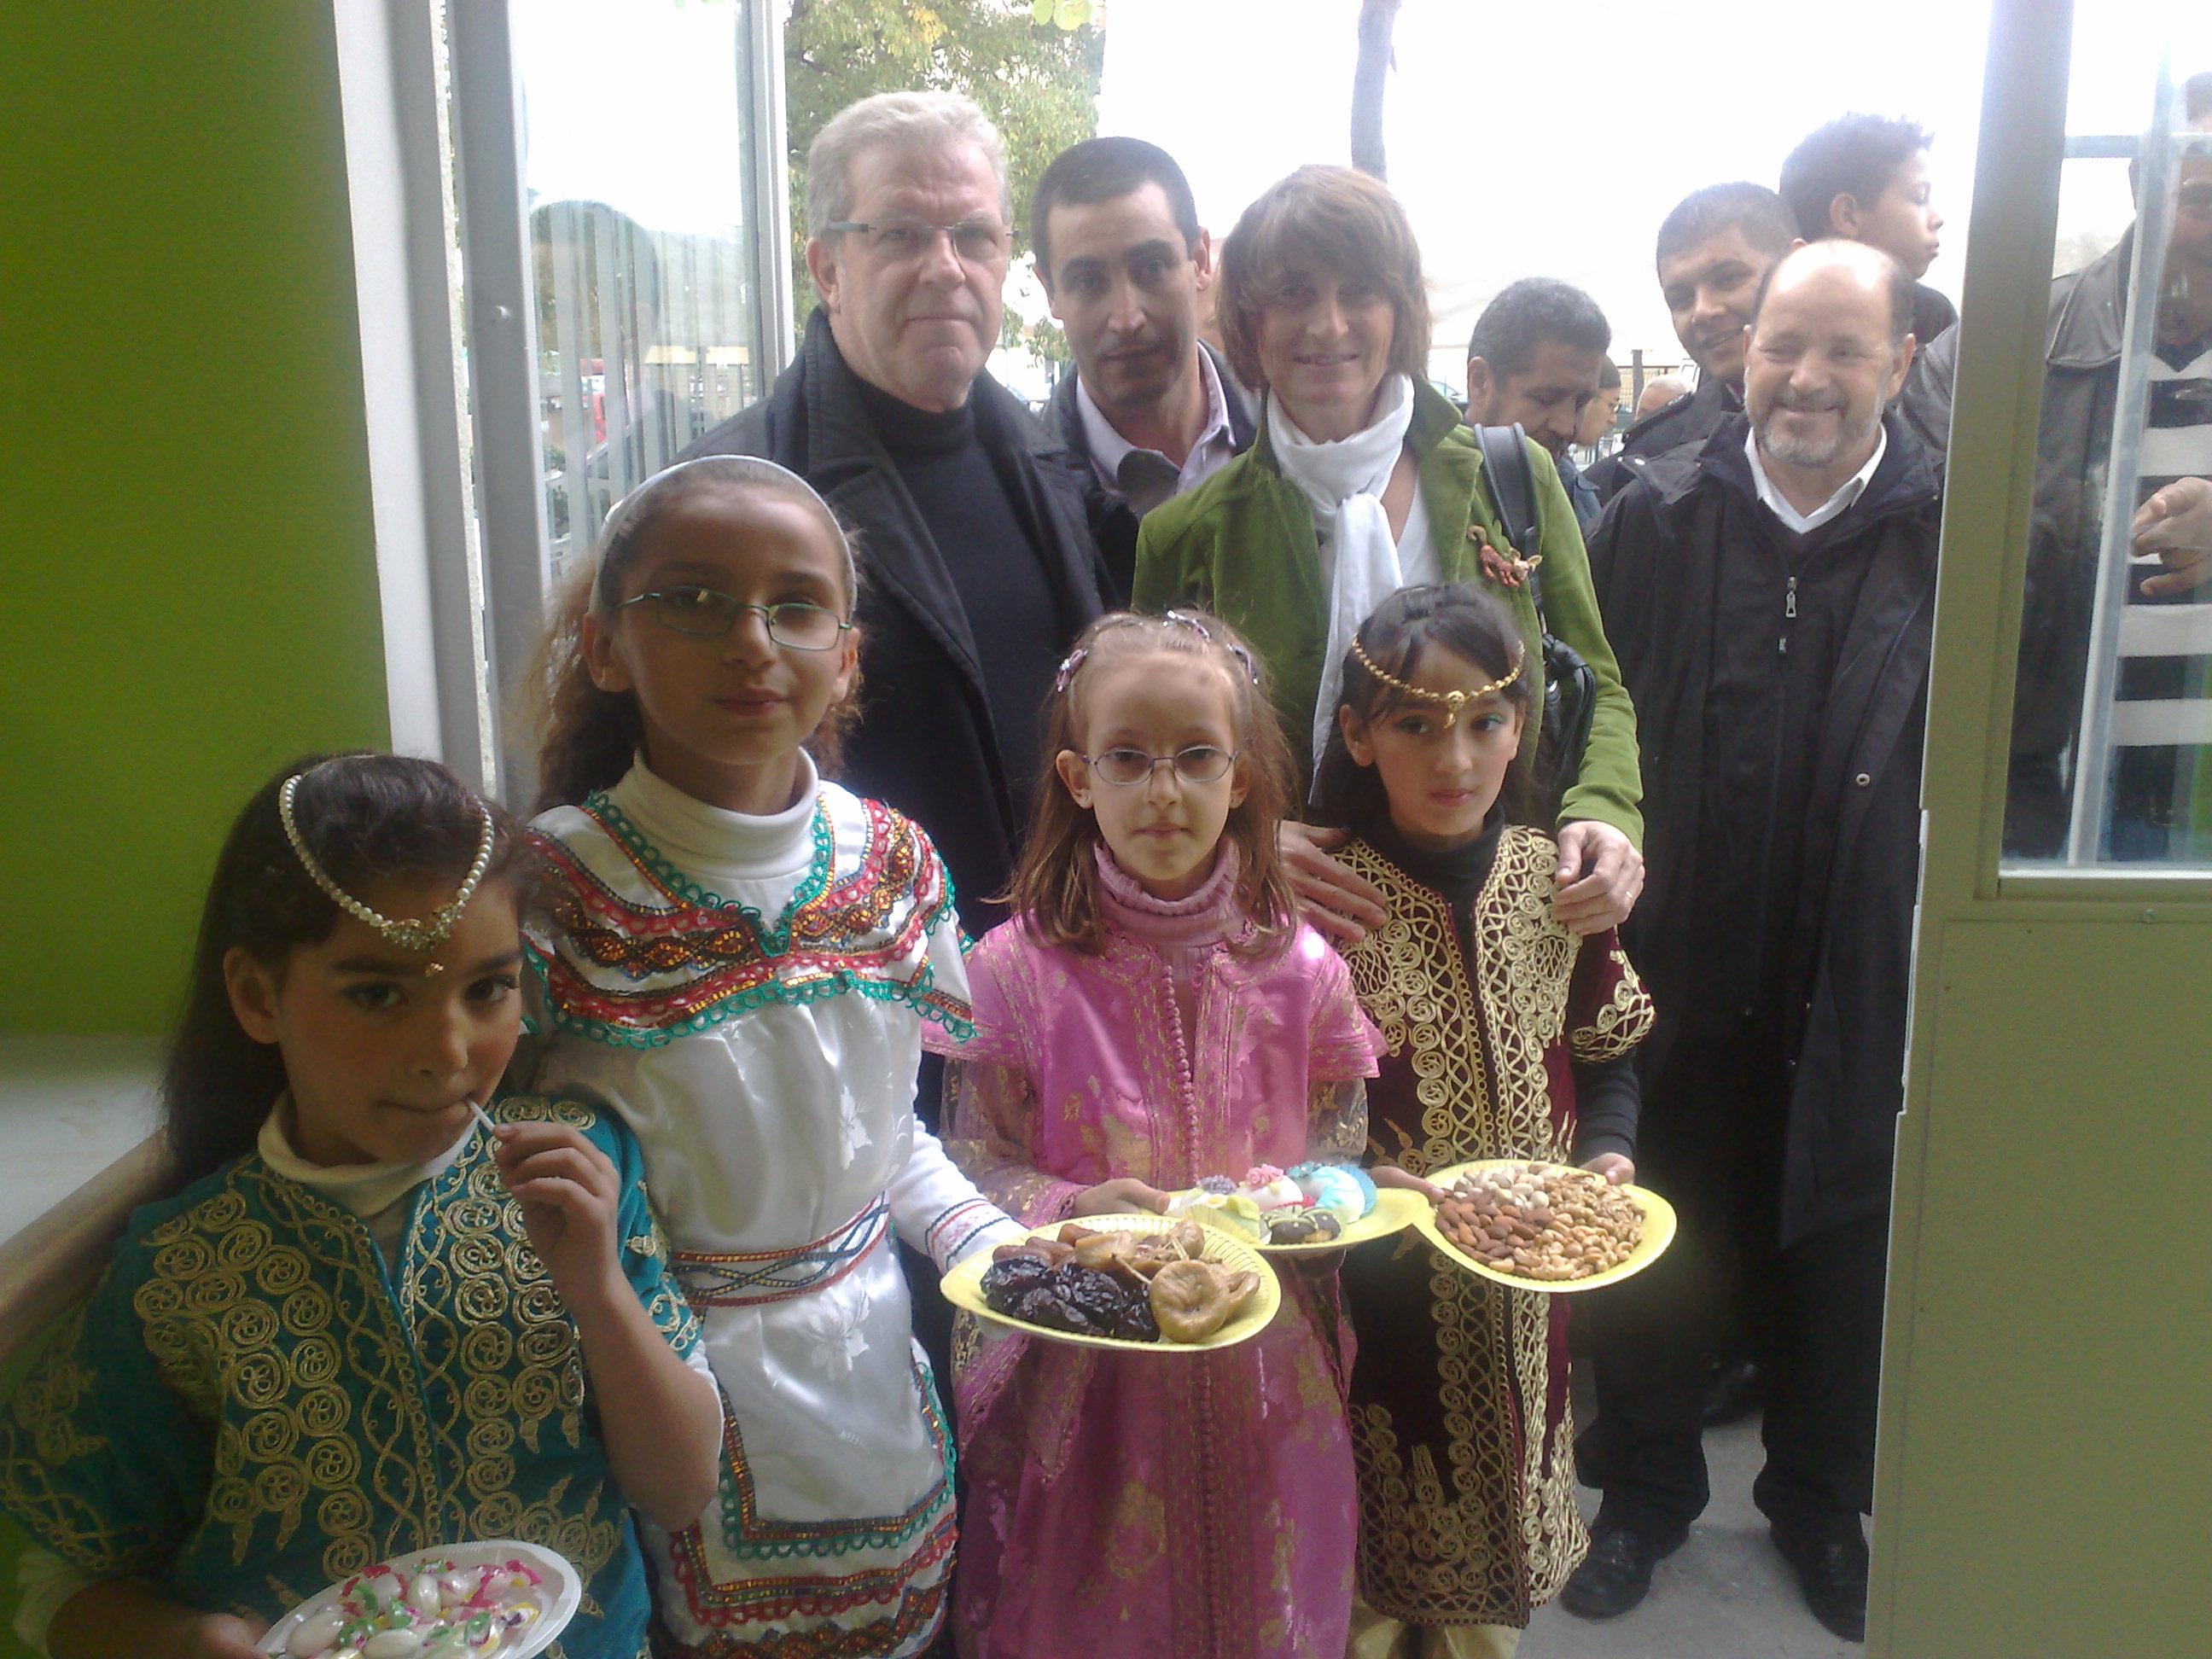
<point x="1509" y="1038"/>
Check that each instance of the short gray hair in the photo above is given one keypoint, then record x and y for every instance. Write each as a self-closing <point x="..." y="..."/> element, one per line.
<point x="905" y="120"/>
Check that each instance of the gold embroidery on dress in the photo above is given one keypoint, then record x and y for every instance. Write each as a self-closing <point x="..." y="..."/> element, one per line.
<point x="1527" y="965"/>
<point x="512" y="1368"/>
<point x="1621" y="1024"/>
<point x="1496" y="1534"/>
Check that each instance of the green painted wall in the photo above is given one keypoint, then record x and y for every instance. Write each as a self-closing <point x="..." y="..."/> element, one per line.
<point x="187" y="579"/>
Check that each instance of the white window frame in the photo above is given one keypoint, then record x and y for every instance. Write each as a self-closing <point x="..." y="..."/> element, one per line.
<point x="433" y="145"/>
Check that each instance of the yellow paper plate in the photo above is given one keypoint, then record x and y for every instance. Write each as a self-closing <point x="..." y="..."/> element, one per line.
<point x="963" y="1288"/>
<point x="1658" y="1233"/>
<point x="1395" y="1210"/>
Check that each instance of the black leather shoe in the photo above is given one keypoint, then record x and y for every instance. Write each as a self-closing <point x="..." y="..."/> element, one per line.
<point x="1615" y="1575"/>
<point x="1831" y="1564"/>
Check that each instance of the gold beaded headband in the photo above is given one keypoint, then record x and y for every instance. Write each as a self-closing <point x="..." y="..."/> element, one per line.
<point x="426" y="935"/>
<point x="1454" y="702"/>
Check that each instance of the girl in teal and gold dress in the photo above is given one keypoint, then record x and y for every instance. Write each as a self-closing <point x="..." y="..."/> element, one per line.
<point x="368" y="1320"/>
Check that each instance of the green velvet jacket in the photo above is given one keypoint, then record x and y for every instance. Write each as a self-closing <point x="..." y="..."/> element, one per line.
<point x="1242" y="545"/>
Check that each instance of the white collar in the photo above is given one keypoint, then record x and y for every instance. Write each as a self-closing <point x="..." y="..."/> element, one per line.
<point x="1109" y="448"/>
<point x="1849" y="491"/>
<point x="363" y="1189"/>
<point x="699" y="837"/>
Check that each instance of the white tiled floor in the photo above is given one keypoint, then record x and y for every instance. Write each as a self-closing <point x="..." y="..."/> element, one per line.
<point x="68" y="1108"/>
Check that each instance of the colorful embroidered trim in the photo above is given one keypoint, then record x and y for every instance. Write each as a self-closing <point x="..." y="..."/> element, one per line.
<point x="867" y="932"/>
<point x="676" y="886"/>
<point x="748" y="1537"/>
<point x="744" y="1280"/>
<point x="773" y="1600"/>
<point x="976" y="1212"/>
<point x="917" y="1619"/>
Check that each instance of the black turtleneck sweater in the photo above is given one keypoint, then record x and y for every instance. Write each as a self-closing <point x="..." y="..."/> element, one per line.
<point x="1607" y="1100"/>
<point x="991" y="552"/>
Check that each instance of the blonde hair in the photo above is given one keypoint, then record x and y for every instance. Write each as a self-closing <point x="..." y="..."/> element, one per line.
<point x="1055" y="883"/>
<point x="588" y="737"/>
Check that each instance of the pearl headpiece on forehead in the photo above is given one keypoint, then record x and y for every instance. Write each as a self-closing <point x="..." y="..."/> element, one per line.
<point x="1454" y="702"/>
<point x="1075" y="658"/>
<point x="426" y="935"/>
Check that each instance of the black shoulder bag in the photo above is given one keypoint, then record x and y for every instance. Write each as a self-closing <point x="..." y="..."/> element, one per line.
<point x="1570" y="684"/>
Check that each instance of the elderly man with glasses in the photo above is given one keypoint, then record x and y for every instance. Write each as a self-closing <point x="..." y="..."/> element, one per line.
<point x="977" y="565"/>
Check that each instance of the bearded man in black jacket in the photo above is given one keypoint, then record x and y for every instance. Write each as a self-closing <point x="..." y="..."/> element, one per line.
<point x="1771" y="593"/>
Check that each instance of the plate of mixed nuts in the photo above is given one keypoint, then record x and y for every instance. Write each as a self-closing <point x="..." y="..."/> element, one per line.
<point x="1541" y="1226"/>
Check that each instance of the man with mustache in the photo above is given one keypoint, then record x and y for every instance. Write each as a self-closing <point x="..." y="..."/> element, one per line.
<point x="1770" y="593"/>
<point x="1537" y="359"/>
<point x="1151" y="410"/>
<point x="1715" y="249"/>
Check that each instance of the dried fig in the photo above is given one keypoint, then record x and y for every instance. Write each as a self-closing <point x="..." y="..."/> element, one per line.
<point x="1191" y="1300"/>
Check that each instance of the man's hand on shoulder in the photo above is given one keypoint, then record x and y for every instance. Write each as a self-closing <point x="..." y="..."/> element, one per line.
<point x="1341" y="905"/>
<point x="1599" y="877"/>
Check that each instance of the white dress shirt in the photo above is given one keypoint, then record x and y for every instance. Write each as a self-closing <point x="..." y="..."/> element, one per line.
<point x="1215" y="448"/>
<point x="1802" y="523"/>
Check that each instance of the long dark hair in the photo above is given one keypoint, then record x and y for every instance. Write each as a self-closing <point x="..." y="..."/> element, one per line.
<point x="366" y="818"/>
<point x="587" y="737"/>
<point x="1055" y="883"/>
<point x="1457" y="617"/>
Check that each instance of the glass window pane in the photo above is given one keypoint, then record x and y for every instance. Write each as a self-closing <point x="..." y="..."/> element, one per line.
<point x="638" y="146"/>
<point x="2112" y="762"/>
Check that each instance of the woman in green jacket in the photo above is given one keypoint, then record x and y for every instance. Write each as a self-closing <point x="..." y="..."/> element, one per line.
<point x="1361" y="480"/>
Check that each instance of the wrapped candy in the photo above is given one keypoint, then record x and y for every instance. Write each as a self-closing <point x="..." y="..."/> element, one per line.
<point x="441" y="1610"/>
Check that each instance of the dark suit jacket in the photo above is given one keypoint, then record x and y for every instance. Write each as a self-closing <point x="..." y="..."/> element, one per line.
<point x="1113" y="525"/>
<point x="924" y="742"/>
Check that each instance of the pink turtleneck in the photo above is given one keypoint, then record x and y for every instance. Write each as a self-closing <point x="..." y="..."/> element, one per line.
<point x="1182" y="931"/>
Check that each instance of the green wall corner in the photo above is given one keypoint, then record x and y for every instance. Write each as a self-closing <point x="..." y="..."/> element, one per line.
<point x="188" y="589"/>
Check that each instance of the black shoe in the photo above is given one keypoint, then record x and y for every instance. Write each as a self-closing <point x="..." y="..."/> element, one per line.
<point x="1615" y="1575"/>
<point x="1733" y="1393"/>
<point x="1831" y="1564"/>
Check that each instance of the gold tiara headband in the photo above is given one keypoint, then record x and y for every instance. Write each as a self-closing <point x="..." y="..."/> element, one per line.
<point x="426" y="935"/>
<point x="1454" y="702"/>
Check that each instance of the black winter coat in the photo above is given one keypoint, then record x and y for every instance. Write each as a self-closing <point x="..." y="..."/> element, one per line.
<point x="924" y="742"/>
<point x="1655" y="559"/>
<point x="1690" y="419"/>
<point x="2073" y="444"/>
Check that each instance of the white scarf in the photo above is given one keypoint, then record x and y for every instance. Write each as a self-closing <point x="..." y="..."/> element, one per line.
<point x="1344" y="482"/>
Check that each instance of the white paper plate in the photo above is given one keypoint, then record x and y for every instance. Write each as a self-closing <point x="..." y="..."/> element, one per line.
<point x="558" y="1595"/>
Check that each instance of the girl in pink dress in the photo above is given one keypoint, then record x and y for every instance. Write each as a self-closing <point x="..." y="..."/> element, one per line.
<point x="1156" y="1012"/>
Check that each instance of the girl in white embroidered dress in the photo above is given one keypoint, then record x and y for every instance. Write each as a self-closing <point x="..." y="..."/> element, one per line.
<point x="739" y="958"/>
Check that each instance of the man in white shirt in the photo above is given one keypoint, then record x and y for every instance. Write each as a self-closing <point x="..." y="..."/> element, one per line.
<point x="1769" y="594"/>
<point x="1151" y="409"/>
